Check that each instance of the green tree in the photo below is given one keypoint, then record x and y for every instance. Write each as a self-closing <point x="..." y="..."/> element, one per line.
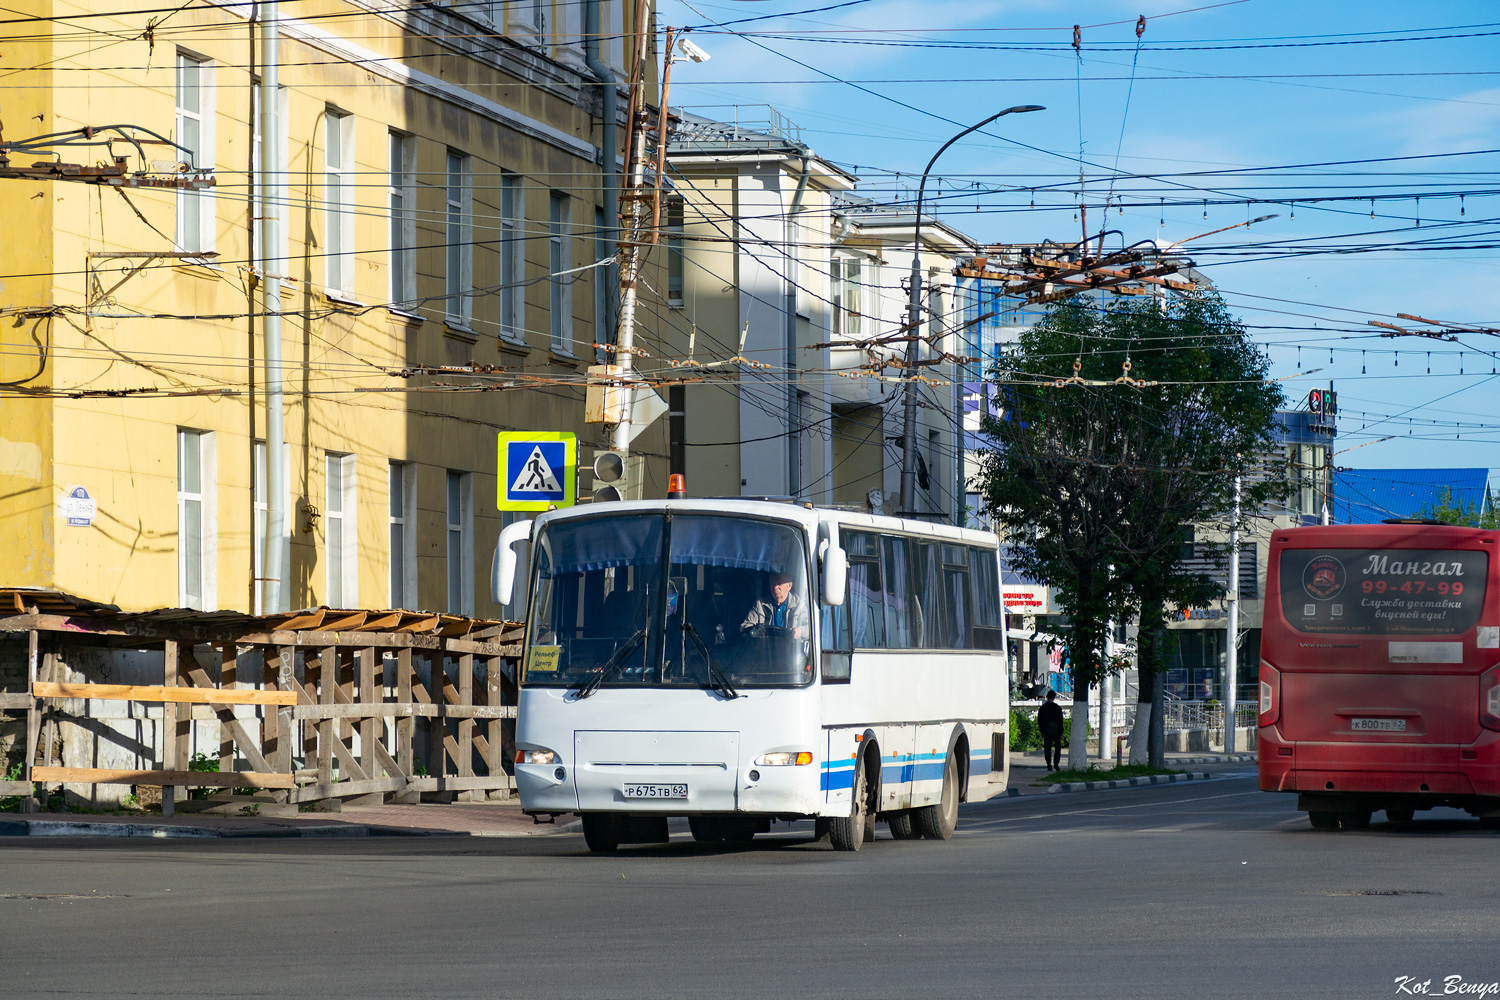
<point x="1121" y="427"/>
<point x="1454" y="510"/>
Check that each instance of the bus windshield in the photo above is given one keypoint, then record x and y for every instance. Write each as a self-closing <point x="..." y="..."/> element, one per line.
<point x="691" y="600"/>
<point x="1382" y="591"/>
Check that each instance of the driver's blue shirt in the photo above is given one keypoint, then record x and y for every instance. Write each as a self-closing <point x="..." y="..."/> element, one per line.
<point x="778" y="617"/>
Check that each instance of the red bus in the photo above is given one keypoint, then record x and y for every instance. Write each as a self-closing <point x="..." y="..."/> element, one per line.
<point x="1380" y="671"/>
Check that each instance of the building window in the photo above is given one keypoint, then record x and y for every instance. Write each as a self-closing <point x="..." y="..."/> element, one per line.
<point x="338" y="201"/>
<point x="403" y="236"/>
<point x="460" y="254"/>
<point x="403" y="551"/>
<point x="559" y="260"/>
<point x="512" y="258"/>
<point x="460" y="546"/>
<point x="195" y="130"/>
<point x="674" y="252"/>
<point x="848" y="322"/>
<point x="340" y="526"/>
<point x="196" y="521"/>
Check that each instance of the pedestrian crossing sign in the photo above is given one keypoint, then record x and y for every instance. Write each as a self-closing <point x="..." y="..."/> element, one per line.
<point x="538" y="470"/>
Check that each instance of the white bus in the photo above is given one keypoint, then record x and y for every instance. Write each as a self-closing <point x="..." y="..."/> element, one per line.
<point x="736" y="662"/>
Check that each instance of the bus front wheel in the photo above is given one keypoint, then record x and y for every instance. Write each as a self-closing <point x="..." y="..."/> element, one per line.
<point x="938" y="822"/>
<point x="847" y="833"/>
<point x="601" y="832"/>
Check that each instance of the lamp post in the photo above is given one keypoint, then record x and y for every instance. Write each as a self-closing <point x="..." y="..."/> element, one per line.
<point x="913" y="326"/>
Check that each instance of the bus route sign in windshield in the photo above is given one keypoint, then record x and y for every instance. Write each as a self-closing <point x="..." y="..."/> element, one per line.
<point x="1382" y="591"/>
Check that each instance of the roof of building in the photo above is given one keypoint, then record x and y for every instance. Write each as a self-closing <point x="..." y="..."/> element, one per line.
<point x="1368" y="496"/>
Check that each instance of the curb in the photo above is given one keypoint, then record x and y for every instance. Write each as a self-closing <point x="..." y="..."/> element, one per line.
<point x="1154" y="779"/>
<point x="163" y="831"/>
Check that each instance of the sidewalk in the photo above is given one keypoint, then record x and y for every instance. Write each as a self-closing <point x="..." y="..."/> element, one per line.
<point x="461" y="819"/>
<point x="1028" y="768"/>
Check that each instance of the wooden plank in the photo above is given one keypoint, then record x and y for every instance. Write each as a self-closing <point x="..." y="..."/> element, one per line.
<point x="344" y="789"/>
<point x="14" y="700"/>
<point x="397" y="710"/>
<point x="228" y="677"/>
<point x="456" y="784"/>
<point x="154" y="693"/>
<point x="370" y="692"/>
<point x="9" y="788"/>
<point x="465" y="756"/>
<point x="474" y="648"/>
<point x="385" y="640"/>
<point x="170" y="760"/>
<point x="49" y="730"/>
<point x="437" y="727"/>
<point x="328" y="683"/>
<point x="33" y="723"/>
<point x="196" y="779"/>
<point x="405" y="724"/>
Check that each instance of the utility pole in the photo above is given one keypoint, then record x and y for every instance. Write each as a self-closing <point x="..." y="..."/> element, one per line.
<point x="630" y="248"/>
<point x="1232" y="634"/>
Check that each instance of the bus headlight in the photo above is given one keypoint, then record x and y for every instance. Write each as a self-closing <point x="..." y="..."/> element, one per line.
<point x="783" y="759"/>
<point x="1489" y="698"/>
<point x="1270" y="683"/>
<point x="536" y="757"/>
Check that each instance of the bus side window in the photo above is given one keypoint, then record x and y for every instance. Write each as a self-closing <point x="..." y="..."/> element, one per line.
<point x="898" y="608"/>
<point x="866" y="608"/>
<point x="956" y="613"/>
<point x="984" y="575"/>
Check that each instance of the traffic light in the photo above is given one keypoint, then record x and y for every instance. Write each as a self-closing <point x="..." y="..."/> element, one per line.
<point x="617" y="476"/>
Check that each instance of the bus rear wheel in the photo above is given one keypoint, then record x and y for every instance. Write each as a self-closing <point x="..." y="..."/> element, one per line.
<point x="1357" y="819"/>
<point x="601" y="832"/>
<point x="1321" y="820"/>
<point x="939" y="821"/>
<point x="903" y="825"/>
<point x="1399" y="817"/>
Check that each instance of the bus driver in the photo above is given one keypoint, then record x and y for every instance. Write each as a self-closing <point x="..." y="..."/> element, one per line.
<point x="784" y="610"/>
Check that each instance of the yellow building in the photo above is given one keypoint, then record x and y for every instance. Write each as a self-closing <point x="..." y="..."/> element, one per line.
<point x="442" y="169"/>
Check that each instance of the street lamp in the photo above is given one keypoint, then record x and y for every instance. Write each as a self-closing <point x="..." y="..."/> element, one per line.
<point x="913" y="325"/>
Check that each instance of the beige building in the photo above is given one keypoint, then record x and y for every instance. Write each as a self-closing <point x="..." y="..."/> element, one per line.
<point x="786" y="291"/>
<point x="444" y="212"/>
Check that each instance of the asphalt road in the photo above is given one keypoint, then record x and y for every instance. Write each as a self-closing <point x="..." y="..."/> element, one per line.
<point x="1210" y="889"/>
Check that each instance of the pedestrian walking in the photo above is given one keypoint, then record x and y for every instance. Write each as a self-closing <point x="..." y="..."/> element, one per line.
<point x="1049" y="719"/>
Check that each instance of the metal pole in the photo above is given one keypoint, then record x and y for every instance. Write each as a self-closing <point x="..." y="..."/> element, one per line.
<point x="1107" y="700"/>
<point x="1231" y="639"/>
<point x="914" y="323"/>
<point x="277" y="554"/>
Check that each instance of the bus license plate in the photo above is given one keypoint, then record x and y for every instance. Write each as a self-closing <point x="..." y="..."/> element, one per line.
<point x="656" y="791"/>
<point x="1378" y="725"/>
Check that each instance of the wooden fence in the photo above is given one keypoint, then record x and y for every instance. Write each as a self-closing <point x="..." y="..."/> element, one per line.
<point x="311" y="707"/>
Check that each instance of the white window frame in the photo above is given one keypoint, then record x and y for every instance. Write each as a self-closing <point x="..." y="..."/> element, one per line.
<point x="401" y="484"/>
<point x="559" y="258"/>
<point x="200" y="521"/>
<point x="196" y="223"/>
<point x="512" y="258"/>
<point x="676" y="263"/>
<point x="338" y="202"/>
<point x="260" y="526"/>
<point x="458" y="245"/>
<point x="401" y="201"/>
<point x="341" y="520"/>
<point x="458" y="548"/>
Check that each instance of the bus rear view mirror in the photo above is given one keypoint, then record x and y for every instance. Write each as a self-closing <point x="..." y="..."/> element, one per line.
<point x="835" y="573"/>
<point x="503" y="565"/>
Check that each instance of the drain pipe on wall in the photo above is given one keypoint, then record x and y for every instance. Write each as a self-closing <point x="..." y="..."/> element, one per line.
<point x="793" y="276"/>
<point x="609" y="91"/>
<point x="277" y="555"/>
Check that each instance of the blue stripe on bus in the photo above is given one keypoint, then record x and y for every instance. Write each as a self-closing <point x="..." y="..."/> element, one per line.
<point x="899" y="769"/>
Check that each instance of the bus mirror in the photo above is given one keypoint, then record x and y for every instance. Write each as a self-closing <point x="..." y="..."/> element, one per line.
<point x="835" y="574"/>
<point x="503" y="565"/>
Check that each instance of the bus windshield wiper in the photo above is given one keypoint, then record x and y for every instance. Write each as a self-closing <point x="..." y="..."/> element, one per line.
<point x="716" y="678"/>
<point x="611" y="665"/>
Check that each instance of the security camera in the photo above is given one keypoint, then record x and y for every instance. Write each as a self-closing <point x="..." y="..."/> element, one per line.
<point x="692" y="51"/>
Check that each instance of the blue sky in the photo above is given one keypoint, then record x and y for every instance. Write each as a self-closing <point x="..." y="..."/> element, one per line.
<point x="1223" y="87"/>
